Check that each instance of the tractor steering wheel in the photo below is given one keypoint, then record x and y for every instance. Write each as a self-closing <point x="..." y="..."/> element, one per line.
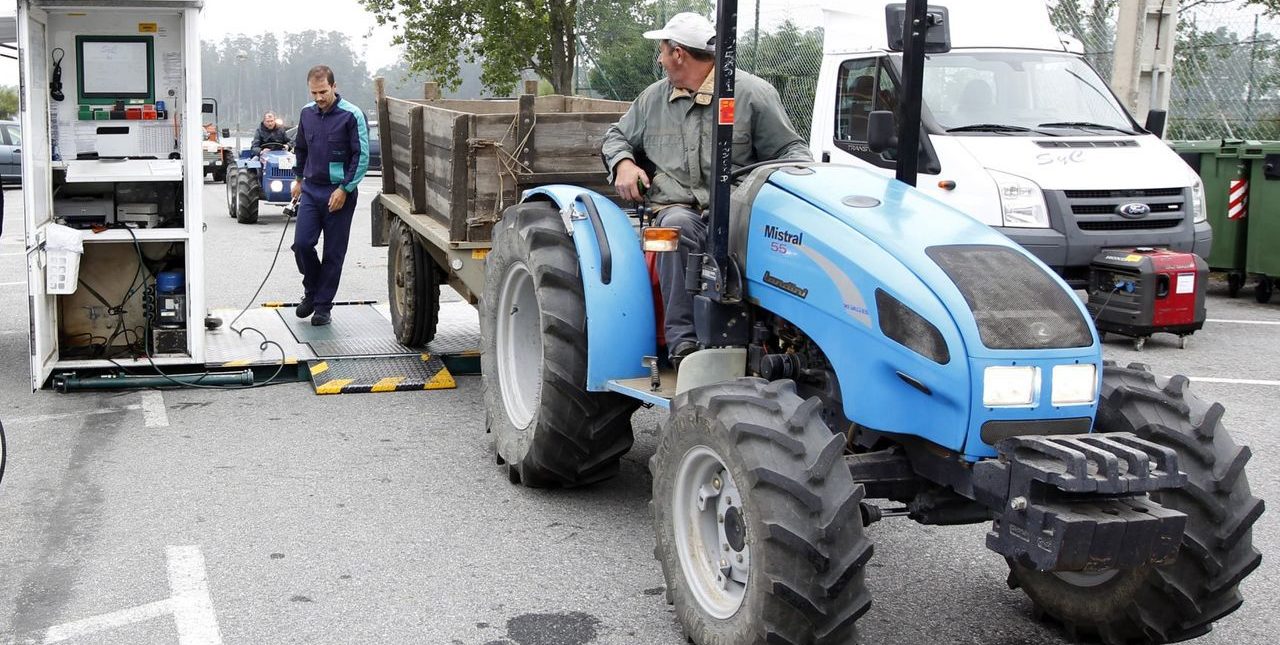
<point x="272" y="145"/>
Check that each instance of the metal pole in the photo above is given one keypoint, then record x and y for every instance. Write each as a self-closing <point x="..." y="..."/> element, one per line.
<point x="1253" y="54"/>
<point x="722" y="142"/>
<point x="914" y="29"/>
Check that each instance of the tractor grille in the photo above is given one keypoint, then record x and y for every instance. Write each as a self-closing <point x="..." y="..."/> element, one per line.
<point x="274" y="172"/>
<point x="1016" y="304"/>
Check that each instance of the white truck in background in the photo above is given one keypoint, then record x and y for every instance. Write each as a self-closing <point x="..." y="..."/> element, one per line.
<point x="1018" y="131"/>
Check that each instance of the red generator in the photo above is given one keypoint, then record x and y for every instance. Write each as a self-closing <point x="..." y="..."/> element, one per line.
<point x="1139" y="292"/>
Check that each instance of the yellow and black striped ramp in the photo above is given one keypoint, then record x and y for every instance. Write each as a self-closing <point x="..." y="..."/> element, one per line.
<point x="380" y="374"/>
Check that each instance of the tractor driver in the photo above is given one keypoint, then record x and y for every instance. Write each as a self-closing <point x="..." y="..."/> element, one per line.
<point x="671" y="123"/>
<point x="269" y="131"/>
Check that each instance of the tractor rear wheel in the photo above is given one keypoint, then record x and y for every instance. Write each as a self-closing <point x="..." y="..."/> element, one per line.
<point x="233" y="178"/>
<point x="219" y="174"/>
<point x="1181" y="600"/>
<point x="413" y="287"/>
<point x="548" y="429"/>
<point x="758" y="521"/>
<point x="248" y="193"/>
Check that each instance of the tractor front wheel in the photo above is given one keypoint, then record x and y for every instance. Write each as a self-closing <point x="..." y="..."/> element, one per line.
<point x="758" y="521"/>
<point x="548" y="428"/>
<point x="1181" y="600"/>
<point x="248" y="194"/>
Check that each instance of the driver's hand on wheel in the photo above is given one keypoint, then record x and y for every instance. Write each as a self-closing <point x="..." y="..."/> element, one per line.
<point x="627" y="179"/>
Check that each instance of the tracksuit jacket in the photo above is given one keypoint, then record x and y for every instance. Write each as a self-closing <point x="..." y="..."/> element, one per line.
<point x="332" y="148"/>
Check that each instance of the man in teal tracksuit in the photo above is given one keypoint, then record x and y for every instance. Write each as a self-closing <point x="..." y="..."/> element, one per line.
<point x="332" y="148"/>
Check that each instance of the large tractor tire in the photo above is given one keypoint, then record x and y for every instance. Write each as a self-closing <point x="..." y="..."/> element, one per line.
<point x="248" y="194"/>
<point x="758" y="521"/>
<point x="233" y="178"/>
<point x="548" y="429"/>
<point x="1178" y="601"/>
<point x="413" y="286"/>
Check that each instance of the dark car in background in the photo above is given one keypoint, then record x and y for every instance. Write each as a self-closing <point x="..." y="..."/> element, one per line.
<point x="10" y="153"/>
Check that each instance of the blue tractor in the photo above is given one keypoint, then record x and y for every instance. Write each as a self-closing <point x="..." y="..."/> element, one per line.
<point x="859" y="341"/>
<point x="265" y="178"/>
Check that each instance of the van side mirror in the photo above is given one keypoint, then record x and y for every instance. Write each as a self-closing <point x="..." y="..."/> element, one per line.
<point x="226" y="132"/>
<point x="881" y="131"/>
<point x="1156" y="121"/>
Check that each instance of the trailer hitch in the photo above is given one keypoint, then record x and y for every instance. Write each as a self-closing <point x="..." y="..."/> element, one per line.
<point x="1080" y="502"/>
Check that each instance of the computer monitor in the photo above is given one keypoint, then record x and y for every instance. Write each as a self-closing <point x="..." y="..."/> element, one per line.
<point x="114" y="68"/>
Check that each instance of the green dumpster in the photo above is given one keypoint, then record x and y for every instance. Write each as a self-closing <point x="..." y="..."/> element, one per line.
<point x="1220" y="165"/>
<point x="1264" y="215"/>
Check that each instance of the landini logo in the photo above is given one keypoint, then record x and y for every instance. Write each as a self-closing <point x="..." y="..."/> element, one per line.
<point x="790" y="287"/>
<point x="783" y="235"/>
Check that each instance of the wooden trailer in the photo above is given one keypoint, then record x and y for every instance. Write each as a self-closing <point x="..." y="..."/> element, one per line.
<point x="450" y="168"/>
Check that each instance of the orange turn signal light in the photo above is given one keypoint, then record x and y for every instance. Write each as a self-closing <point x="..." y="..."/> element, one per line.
<point x="947" y="184"/>
<point x="661" y="239"/>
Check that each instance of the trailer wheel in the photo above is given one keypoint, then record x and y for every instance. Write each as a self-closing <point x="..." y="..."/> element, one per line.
<point x="547" y="427"/>
<point x="1181" y="600"/>
<point x="758" y="521"/>
<point x="413" y="284"/>
<point x="233" y="178"/>
<point x="248" y="193"/>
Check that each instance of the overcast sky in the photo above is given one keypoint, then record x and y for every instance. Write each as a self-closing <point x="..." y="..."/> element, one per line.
<point x="225" y="17"/>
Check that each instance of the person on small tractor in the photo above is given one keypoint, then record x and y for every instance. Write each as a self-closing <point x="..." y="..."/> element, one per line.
<point x="269" y="131"/>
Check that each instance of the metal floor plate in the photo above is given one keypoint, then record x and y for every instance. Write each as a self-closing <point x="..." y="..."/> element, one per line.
<point x="225" y="348"/>
<point x="380" y="374"/>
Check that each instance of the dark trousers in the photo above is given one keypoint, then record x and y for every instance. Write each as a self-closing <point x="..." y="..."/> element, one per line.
<point x="320" y="277"/>
<point x="677" y="302"/>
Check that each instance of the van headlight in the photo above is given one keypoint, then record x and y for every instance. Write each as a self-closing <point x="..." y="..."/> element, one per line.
<point x="1006" y="385"/>
<point x="277" y="185"/>
<point x="1021" y="201"/>
<point x="1199" y="213"/>
<point x="1075" y="384"/>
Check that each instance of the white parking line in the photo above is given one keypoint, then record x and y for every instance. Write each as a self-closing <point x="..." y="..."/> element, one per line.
<point x="104" y="622"/>
<point x="1232" y="381"/>
<point x="39" y="418"/>
<point x="1243" y="322"/>
<point x="10" y="284"/>
<point x="190" y="604"/>
<point x="153" y="409"/>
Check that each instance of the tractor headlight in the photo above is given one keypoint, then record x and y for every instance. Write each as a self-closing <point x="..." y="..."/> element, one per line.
<point x="1199" y="214"/>
<point x="277" y="185"/>
<point x="1074" y="384"/>
<point x="1021" y="201"/>
<point x="1005" y="385"/>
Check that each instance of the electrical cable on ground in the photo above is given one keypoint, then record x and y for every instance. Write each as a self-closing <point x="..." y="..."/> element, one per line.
<point x="266" y="342"/>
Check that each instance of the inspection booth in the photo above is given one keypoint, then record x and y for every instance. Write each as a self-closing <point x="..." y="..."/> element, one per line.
<point x="111" y="176"/>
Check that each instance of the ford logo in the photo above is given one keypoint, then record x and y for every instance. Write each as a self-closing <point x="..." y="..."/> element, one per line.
<point x="1133" y="210"/>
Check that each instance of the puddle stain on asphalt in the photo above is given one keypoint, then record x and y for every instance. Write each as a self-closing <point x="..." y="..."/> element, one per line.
<point x="573" y="628"/>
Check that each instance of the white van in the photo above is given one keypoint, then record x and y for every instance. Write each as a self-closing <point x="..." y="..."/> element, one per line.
<point x="1019" y="131"/>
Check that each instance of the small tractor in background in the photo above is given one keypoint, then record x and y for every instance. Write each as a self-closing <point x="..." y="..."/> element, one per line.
<point x="216" y="155"/>
<point x="265" y="178"/>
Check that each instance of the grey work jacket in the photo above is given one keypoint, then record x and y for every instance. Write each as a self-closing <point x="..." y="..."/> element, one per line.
<point x="672" y="127"/>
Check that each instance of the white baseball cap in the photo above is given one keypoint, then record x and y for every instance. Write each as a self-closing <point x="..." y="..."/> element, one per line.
<point x="687" y="29"/>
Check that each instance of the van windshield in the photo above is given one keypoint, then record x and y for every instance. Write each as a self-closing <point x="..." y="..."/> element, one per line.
<point x="1020" y="92"/>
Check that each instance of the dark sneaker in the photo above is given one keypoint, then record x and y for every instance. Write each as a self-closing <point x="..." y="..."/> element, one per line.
<point x="320" y="319"/>
<point x="682" y="350"/>
<point x="305" y="308"/>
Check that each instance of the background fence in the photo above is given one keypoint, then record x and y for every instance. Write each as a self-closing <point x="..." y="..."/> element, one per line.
<point x="1226" y="78"/>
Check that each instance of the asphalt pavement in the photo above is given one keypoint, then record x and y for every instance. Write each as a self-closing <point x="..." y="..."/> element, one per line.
<point x="273" y="515"/>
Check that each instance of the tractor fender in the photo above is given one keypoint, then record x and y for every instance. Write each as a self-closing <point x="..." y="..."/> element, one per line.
<point x="615" y="283"/>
